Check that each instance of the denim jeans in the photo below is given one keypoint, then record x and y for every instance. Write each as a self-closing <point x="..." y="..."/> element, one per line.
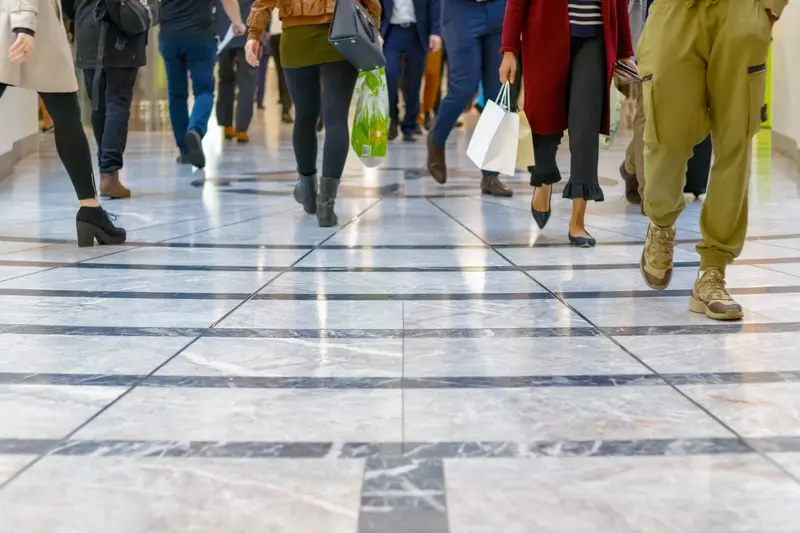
<point x="182" y="59"/>
<point x="110" y="119"/>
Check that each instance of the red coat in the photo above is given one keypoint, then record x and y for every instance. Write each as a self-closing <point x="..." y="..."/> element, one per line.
<point x="543" y="26"/>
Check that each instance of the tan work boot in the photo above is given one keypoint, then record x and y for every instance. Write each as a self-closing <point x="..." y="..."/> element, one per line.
<point x="656" y="263"/>
<point x="111" y="187"/>
<point x="710" y="297"/>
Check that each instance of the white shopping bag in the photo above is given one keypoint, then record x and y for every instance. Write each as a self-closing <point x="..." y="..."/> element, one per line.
<point x="494" y="143"/>
<point x="225" y="40"/>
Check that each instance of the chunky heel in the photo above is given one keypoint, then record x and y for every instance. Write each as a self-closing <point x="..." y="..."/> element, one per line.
<point x="95" y="224"/>
<point x="86" y="234"/>
<point x="326" y="200"/>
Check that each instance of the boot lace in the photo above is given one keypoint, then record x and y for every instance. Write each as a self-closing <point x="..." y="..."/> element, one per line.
<point x="711" y="286"/>
<point x="662" y="246"/>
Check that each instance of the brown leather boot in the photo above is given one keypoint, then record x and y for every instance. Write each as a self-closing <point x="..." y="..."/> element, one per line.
<point x="111" y="187"/>
<point x="631" y="186"/>
<point x="437" y="164"/>
<point x="492" y="186"/>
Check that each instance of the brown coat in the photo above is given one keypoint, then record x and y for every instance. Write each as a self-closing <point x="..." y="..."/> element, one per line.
<point x="298" y="13"/>
<point x="50" y="68"/>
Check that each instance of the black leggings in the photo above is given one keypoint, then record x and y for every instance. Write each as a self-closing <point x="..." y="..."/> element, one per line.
<point x="71" y="142"/>
<point x="326" y="88"/>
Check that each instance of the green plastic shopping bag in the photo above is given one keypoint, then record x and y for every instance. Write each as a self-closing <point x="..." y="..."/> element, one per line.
<point x="369" y="137"/>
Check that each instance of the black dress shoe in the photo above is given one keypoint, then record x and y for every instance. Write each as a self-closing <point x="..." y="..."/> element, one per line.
<point x="392" y="131"/>
<point x="542" y="217"/>
<point x="194" y="146"/>
<point x="409" y="138"/>
<point x="94" y="223"/>
<point x="582" y="242"/>
<point x="286" y="118"/>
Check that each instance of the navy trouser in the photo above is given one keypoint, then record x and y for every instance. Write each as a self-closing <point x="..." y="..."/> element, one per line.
<point x="405" y="41"/>
<point x="184" y="58"/>
<point x="472" y="32"/>
<point x="110" y="119"/>
<point x="235" y="73"/>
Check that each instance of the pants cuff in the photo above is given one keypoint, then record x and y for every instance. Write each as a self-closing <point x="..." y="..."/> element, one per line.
<point x="582" y="191"/>
<point x="539" y="179"/>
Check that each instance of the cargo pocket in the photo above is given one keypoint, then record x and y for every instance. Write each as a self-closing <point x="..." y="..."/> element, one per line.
<point x="757" y="85"/>
<point x="651" y="124"/>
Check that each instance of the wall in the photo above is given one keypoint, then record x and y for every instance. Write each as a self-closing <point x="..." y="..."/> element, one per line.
<point x="19" y="133"/>
<point x="786" y="82"/>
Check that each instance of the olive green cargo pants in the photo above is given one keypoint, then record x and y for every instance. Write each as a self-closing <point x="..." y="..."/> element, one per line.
<point x="703" y="63"/>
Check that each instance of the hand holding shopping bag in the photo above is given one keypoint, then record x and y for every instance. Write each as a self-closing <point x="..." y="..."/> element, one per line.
<point x="493" y="146"/>
<point x="369" y="136"/>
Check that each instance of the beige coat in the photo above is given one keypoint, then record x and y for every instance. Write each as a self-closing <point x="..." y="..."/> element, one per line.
<point x="50" y="68"/>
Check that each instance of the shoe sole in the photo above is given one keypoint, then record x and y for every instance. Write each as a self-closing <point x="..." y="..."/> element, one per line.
<point x="487" y="192"/>
<point x="699" y="307"/>
<point x="88" y="233"/>
<point x="664" y="282"/>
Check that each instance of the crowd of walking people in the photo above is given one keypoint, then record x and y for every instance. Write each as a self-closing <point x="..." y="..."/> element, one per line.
<point x="698" y="73"/>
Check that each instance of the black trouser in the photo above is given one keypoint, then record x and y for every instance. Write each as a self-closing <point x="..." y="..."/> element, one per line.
<point x="71" y="142"/>
<point x="110" y="119"/>
<point x="235" y="72"/>
<point x="327" y="89"/>
<point x="283" y="91"/>
<point x="587" y="85"/>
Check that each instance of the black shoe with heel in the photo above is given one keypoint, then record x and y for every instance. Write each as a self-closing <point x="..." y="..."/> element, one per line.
<point x="542" y="217"/>
<point x="326" y="199"/>
<point x="305" y="193"/>
<point x="582" y="242"/>
<point x="95" y="224"/>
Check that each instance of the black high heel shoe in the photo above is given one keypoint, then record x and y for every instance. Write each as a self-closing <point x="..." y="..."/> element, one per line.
<point x="582" y="242"/>
<point x="94" y="223"/>
<point x="542" y="217"/>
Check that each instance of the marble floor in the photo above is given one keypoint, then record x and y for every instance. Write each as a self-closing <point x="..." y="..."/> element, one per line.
<point x="434" y="364"/>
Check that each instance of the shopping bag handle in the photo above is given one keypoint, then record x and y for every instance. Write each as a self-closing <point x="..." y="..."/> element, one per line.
<point x="504" y="97"/>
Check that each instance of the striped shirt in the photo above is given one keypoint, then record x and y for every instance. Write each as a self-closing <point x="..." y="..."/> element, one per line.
<point x="585" y="18"/>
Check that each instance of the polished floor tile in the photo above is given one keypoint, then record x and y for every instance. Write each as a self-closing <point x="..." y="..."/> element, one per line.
<point x="596" y="495"/>
<point x="435" y="363"/>
<point x="96" y="495"/>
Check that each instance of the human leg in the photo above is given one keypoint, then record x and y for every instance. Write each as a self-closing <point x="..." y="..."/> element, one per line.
<point x="462" y="32"/>
<point x="393" y="49"/>
<point x="415" y="69"/>
<point x="432" y="85"/>
<point x="226" y="91"/>
<point x="119" y="86"/>
<point x="283" y="91"/>
<point x="490" y="65"/>
<point x="304" y="86"/>
<point x="98" y="114"/>
<point x="338" y="81"/>
<point x="672" y="62"/>
<point x="632" y="170"/>
<point x="72" y="146"/>
<point x="177" y="89"/>
<point x="246" y="82"/>
<point x="200" y="59"/>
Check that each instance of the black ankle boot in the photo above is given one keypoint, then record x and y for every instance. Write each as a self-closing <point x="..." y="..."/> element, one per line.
<point x="94" y="223"/>
<point x="305" y="193"/>
<point x="326" y="199"/>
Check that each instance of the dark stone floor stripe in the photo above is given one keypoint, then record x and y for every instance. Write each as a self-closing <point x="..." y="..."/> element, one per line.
<point x="409" y="451"/>
<point x="455" y="333"/>
<point x="403" y="495"/>
<point x="350" y="383"/>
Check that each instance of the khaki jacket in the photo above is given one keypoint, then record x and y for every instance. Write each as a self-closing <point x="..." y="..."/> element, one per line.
<point x="50" y="68"/>
<point x="299" y="13"/>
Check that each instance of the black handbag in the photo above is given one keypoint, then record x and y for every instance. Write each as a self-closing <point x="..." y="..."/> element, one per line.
<point x="355" y="35"/>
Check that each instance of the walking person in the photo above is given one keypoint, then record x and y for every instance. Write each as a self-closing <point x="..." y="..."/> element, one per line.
<point x="320" y="80"/>
<point x="570" y="52"/>
<point x="189" y="48"/>
<point x="410" y="29"/>
<point x="110" y="88"/>
<point x="632" y="168"/>
<point x="472" y="32"/>
<point x="704" y="66"/>
<point x="237" y="80"/>
<point x="39" y="59"/>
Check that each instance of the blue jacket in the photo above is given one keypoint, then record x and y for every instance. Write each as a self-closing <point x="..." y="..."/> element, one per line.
<point x="222" y="23"/>
<point x="428" y="16"/>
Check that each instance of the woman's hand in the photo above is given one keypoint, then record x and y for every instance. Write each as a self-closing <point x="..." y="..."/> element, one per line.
<point x="508" y="68"/>
<point x="22" y="49"/>
<point x="624" y="76"/>
<point x="252" y="52"/>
